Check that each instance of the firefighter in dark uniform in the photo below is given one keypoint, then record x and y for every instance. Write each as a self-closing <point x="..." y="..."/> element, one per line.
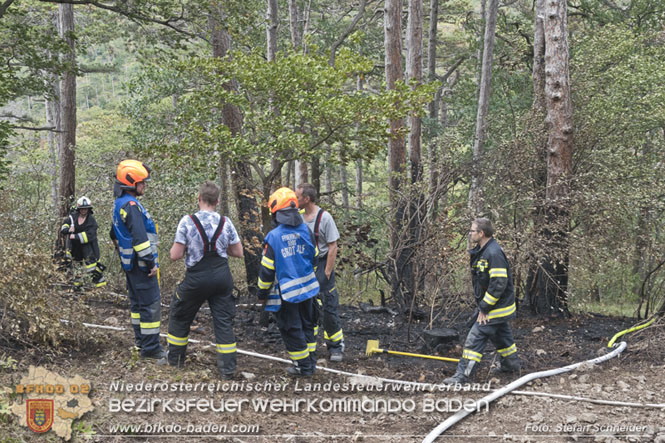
<point x="207" y="239"/>
<point x="136" y="236"/>
<point x="495" y="298"/>
<point x="325" y="231"/>
<point x="287" y="280"/>
<point x="79" y="230"/>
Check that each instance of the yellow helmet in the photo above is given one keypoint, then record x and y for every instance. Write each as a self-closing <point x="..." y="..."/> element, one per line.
<point x="282" y="198"/>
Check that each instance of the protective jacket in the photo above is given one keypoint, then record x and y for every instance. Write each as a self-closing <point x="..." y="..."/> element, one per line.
<point x="492" y="282"/>
<point x="136" y="233"/>
<point x="288" y="261"/>
<point x="84" y="244"/>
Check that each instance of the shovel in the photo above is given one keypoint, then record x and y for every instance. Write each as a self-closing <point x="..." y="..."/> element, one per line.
<point x="373" y="348"/>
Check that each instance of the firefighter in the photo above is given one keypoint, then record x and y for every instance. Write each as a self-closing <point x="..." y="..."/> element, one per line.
<point x="207" y="239"/>
<point x="325" y="231"/>
<point x="287" y="280"/>
<point x="495" y="297"/>
<point x="136" y="236"/>
<point x="79" y="230"/>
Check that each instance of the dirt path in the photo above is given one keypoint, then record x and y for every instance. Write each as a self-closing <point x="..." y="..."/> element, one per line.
<point x="263" y="404"/>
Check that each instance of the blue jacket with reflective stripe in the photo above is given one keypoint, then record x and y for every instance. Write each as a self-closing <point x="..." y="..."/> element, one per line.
<point x="294" y="253"/>
<point x="146" y="232"/>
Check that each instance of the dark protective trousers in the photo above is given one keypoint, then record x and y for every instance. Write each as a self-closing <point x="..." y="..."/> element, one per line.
<point x="296" y="325"/>
<point x="144" y="302"/>
<point x="332" y="327"/>
<point x="209" y="280"/>
<point x="501" y="336"/>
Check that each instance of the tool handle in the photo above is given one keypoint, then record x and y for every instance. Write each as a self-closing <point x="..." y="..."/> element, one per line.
<point x="408" y="354"/>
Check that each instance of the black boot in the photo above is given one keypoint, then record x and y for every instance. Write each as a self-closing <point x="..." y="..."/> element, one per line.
<point x="304" y="367"/>
<point x="463" y="374"/>
<point x="508" y="365"/>
<point x="176" y="357"/>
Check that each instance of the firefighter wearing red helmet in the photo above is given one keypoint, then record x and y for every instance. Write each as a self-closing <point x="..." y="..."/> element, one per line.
<point x="287" y="280"/>
<point x="136" y="236"/>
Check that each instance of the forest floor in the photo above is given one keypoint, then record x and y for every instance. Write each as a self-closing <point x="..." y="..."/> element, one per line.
<point x="324" y="410"/>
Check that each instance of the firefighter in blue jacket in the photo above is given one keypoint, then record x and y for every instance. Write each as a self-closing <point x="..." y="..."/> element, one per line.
<point x="136" y="235"/>
<point x="287" y="280"/>
<point x="495" y="298"/>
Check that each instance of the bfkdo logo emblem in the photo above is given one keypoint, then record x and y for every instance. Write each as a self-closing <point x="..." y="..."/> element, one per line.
<point x="40" y="414"/>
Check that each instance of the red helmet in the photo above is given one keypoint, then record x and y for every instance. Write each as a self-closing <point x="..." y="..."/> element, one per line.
<point x="131" y="172"/>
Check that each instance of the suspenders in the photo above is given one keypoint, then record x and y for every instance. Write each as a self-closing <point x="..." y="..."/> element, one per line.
<point x="209" y="245"/>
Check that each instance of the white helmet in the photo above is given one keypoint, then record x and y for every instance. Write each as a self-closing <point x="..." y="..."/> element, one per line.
<point x="83" y="202"/>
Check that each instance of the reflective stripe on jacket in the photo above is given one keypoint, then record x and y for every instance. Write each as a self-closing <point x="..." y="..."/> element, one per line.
<point x="143" y="244"/>
<point x="493" y="282"/>
<point x="288" y="258"/>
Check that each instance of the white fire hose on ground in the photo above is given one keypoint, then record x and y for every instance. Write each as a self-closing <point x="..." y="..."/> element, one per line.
<point x="508" y="389"/>
<point x="450" y="421"/>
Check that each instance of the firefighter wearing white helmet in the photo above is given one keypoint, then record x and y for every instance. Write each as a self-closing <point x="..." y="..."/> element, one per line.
<point x="80" y="232"/>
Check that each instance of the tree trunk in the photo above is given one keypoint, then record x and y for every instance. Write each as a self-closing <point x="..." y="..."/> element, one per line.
<point x="476" y="203"/>
<point x="272" y="24"/>
<point x="294" y="20"/>
<point x="328" y="175"/>
<point x="359" y="162"/>
<point x="399" y="271"/>
<point x="67" y="152"/>
<point x="344" y="183"/>
<point x="271" y="29"/>
<point x="241" y="176"/>
<point x="53" y="121"/>
<point x="302" y="172"/>
<point x="224" y="186"/>
<point x="359" y="183"/>
<point x="316" y="175"/>
<point x="549" y="287"/>
<point x="433" y="105"/>
<point x="219" y="48"/>
<point x="414" y="76"/>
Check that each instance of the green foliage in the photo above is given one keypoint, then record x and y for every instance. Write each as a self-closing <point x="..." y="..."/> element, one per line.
<point x="292" y="108"/>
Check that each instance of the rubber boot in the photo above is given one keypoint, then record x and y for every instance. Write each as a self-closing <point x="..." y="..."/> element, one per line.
<point x="303" y="368"/>
<point x="176" y="356"/>
<point x="226" y="363"/>
<point x="464" y="373"/>
<point x="508" y="365"/>
<point x="458" y="376"/>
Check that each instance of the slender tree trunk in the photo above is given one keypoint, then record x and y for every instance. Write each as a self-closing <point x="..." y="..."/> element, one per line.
<point x="53" y="121"/>
<point x="272" y="24"/>
<point x="549" y="290"/>
<point x="294" y="24"/>
<point x="224" y="186"/>
<point x="316" y="175"/>
<point x="344" y="183"/>
<point x="476" y="203"/>
<point x="433" y="105"/>
<point x="288" y="173"/>
<point x="67" y="156"/>
<point x="302" y="172"/>
<point x="328" y="175"/>
<point x="241" y="175"/>
<point x="396" y="154"/>
<point x="359" y="162"/>
<point x="219" y="48"/>
<point x="414" y="76"/>
<point x="359" y="183"/>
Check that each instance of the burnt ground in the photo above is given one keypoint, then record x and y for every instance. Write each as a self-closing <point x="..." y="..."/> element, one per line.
<point x="636" y="376"/>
